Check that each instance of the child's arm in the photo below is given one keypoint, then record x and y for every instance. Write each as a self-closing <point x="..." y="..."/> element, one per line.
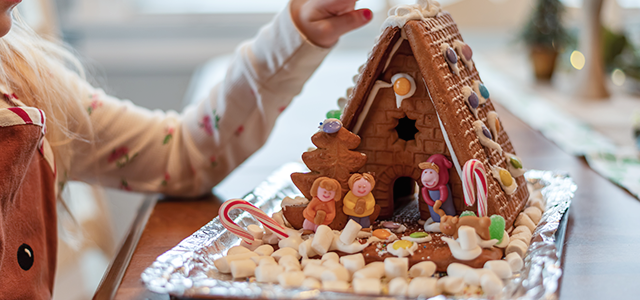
<point x="188" y="153"/>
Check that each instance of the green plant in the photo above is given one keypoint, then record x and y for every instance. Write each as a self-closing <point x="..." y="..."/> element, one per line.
<point x="544" y="28"/>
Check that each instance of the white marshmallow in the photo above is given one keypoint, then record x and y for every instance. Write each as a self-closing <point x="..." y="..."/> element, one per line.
<point x="256" y="231"/>
<point x="457" y="269"/>
<point x="473" y="276"/>
<point x="285" y="251"/>
<point x="491" y="284"/>
<point x="263" y="260"/>
<point x="289" y="267"/>
<point x="279" y="218"/>
<point x="331" y="256"/>
<point x="293" y="241"/>
<point x="522" y="236"/>
<point x="515" y="261"/>
<point x="315" y="271"/>
<point x="451" y="285"/>
<point x="291" y="279"/>
<point x="350" y="232"/>
<point x="500" y="268"/>
<point x="268" y="273"/>
<point x="264" y="250"/>
<point x="520" y="229"/>
<point x="372" y="270"/>
<point x="242" y="268"/>
<point x="270" y="239"/>
<point x="517" y="246"/>
<point x="335" y="286"/>
<point x="398" y="286"/>
<point x="311" y="283"/>
<point x="523" y="219"/>
<point x="422" y="269"/>
<point x="322" y="239"/>
<point x="253" y="246"/>
<point x="237" y="250"/>
<point x="305" y="249"/>
<point x="370" y="286"/>
<point x="222" y="264"/>
<point x="288" y="259"/>
<point x="423" y="287"/>
<point x="353" y="262"/>
<point x="396" y="267"/>
<point x="505" y="241"/>
<point x="534" y="213"/>
<point x="539" y="203"/>
<point x="307" y="261"/>
<point x="335" y="272"/>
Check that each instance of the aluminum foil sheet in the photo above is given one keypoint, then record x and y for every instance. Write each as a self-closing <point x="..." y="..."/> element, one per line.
<point x="187" y="270"/>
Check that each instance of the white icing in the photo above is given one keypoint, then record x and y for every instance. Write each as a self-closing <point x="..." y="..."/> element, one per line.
<point x="403" y="37"/>
<point x="458" y="44"/>
<point x="485" y="141"/>
<point x="412" y="91"/>
<point x="466" y="92"/>
<point x="417" y="240"/>
<point x="453" y="65"/>
<point x="495" y="171"/>
<point x="298" y="200"/>
<point x="454" y="158"/>
<point x="402" y="252"/>
<point x="401" y="14"/>
<point x="476" y="88"/>
<point x="372" y="95"/>
<point x="492" y="117"/>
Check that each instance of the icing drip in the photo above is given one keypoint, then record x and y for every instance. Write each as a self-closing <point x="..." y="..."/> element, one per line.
<point x="400" y="98"/>
<point x="401" y="14"/>
<point x="372" y="95"/>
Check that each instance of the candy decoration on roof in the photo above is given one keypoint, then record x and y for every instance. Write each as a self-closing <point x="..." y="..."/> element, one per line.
<point x="474" y="176"/>
<point x="465" y="53"/>
<point x="485" y="137"/>
<point x="481" y="90"/>
<point x="229" y="224"/>
<point x="451" y="57"/>
<point x="471" y="98"/>
<point x="514" y="165"/>
<point x="331" y="125"/>
<point x="503" y="176"/>
<point x="494" y="124"/>
<point x="403" y="86"/>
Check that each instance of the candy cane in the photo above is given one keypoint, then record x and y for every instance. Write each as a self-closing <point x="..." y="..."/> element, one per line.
<point x="267" y="221"/>
<point x="473" y="171"/>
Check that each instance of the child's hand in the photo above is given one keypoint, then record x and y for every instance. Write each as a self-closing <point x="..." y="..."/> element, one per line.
<point x="324" y="21"/>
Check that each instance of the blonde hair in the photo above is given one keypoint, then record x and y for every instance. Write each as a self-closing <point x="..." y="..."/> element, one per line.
<point x="42" y="74"/>
<point x="357" y="176"/>
<point x="327" y="184"/>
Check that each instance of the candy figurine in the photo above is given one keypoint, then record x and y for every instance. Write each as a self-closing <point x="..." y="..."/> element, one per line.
<point x="359" y="203"/>
<point x="322" y="208"/>
<point x="435" y="184"/>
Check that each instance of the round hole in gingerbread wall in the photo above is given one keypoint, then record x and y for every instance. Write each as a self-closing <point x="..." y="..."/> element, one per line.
<point x="406" y="129"/>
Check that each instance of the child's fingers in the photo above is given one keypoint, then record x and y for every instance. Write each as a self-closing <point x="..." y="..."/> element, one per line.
<point x="349" y="21"/>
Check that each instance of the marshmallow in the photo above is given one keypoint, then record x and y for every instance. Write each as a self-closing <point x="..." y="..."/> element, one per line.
<point x="285" y="251"/>
<point x="279" y="218"/>
<point x="353" y="262"/>
<point x="491" y="284"/>
<point x="515" y="261"/>
<point x="322" y="239"/>
<point x="423" y="287"/>
<point x="451" y="285"/>
<point x="331" y="256"/>
<point x="457" y="269"/>
<point x="534" y="213"/>
<point x="256" y="231"/>
<point x="505" y="241"/>
<point x="370" y="286"/>
<point x="315" y="271"/>
<point x="516" y="246"/>
<point x="311" y="283"/>
<point x="520" y="229"/>
<point x="500" y="268"/>
<point x="270" y="238"/>
<point x="523" y="219"/>
<point x="242" y="268"/>
<point x="293" y="241"/>
<point x="422" y="269"/>
<point x="222" y="264"/>
<point x="306" y="261"/>
<point x="335" y="286"/>
<point x="264" y="250"/>
<point x="288" y="259"/>
<point x="268" y="273"/>
<point x="305" y="249"/>
<point x="335" y="272"/>
<point x="539" y="203"/>
<point x="291" y="267"/>
<point x="372" y="270"/>
<point x="291" y="279"/>
<point x="522" y="236"/>
<point x="350" y="232"/>
<point x="253" y="246"/>
<point x="396" y="267"/>
<point x="237" y="250"/>
<point x="398" y="286"/>
<point x="263" y="260"/>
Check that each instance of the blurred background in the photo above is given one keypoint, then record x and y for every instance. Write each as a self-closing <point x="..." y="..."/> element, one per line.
<point x="164" y="54"/>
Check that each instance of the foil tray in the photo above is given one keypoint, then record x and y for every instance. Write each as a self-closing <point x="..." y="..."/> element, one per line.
<point x="187" y="270"/>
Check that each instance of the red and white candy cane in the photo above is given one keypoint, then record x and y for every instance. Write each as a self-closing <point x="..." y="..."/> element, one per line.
<point x="473" y="172"/>
<point x="267" y="221"/>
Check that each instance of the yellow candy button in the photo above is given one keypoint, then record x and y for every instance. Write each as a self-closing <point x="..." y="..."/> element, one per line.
<point x="402" y="244"/>
<point x="506" y="178"/>
<point x="402" y="86"/>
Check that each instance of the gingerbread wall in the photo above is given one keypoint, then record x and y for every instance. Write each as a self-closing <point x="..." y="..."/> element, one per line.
<point x="390" y="157"/>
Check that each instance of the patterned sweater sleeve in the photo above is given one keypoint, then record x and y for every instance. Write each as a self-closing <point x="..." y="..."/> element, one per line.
<point x="188" y="153"/>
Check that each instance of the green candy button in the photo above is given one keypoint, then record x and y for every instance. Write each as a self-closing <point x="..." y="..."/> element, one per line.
<point x="419" y="235"/>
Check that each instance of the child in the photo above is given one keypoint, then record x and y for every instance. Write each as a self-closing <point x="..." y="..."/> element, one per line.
<point x="54" y="126"/>
<point x="359" y="203"/>
<point x="322" y="208"/>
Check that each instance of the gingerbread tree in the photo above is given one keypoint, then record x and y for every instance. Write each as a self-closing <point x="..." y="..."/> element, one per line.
<point x="335" y="159"/>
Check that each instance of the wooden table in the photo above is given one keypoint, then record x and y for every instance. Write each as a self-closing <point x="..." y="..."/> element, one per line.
<point x="600" y="259"/>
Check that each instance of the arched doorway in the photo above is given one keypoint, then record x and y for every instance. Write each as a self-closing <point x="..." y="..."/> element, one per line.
<point x="404" y="192"/>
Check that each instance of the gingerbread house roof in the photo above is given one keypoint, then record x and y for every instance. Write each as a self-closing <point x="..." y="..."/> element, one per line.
<point x="426" y="31"/>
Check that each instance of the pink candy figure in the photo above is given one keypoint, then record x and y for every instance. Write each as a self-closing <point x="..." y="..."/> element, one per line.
<point x="435" y="184"/>
<point x="322" y="208"/>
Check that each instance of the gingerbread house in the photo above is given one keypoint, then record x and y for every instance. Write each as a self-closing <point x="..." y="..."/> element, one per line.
<point x="402" y="125"/>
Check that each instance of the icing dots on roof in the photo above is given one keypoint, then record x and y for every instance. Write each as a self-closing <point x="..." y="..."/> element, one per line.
<point x="401" y="14"/>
